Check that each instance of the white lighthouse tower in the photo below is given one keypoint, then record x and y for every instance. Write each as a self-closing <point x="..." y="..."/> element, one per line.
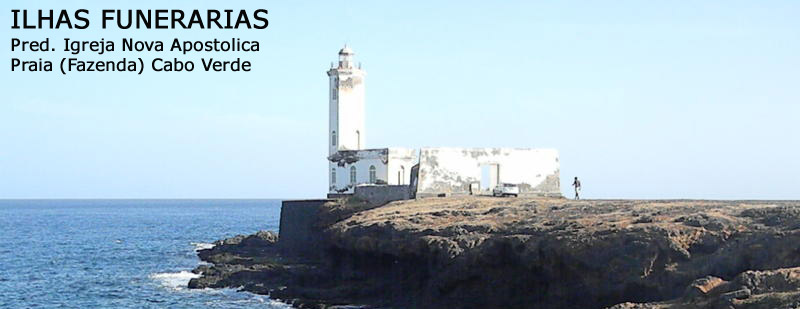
<point x="351" y="163"/>
<point x="346" y="81"/>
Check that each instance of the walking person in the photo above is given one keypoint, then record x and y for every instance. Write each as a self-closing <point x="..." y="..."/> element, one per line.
<point x="577" y="185"/>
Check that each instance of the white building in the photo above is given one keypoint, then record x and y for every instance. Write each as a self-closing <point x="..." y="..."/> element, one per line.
<point x="457" y="171"/>
<point x="429" y="172"/>
<point x="351" y="163"/>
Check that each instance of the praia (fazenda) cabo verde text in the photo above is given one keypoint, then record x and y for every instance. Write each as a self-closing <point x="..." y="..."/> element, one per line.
<point x="102" y="46"/>
<point x="135" y="65"/>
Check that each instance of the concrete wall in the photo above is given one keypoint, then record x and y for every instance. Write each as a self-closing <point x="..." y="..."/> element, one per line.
<point x="453" y="170"/>
<point x="382" y="194"/>
<point x="299" y="232"/>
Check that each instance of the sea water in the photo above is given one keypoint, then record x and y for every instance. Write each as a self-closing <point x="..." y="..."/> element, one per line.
<point x="120" y="253"/>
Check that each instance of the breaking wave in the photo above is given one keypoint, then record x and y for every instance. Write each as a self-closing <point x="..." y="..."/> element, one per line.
<point x="201" y="246"/>
<point x="176" y="281"/>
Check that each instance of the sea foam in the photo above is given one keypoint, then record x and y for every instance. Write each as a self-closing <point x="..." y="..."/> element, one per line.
<point x="175" y="281"/>
<point x="201" y="246"/>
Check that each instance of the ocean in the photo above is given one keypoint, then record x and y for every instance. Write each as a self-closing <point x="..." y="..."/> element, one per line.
<point x="120" y="253"/>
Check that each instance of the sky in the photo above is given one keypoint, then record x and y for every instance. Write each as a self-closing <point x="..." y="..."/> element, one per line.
<point x="643" y="99"/>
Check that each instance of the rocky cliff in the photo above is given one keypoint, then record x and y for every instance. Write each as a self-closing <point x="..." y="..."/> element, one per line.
<point x="482" y="252"/>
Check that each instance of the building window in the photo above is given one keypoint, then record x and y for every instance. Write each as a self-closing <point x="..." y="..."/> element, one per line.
<point x="333" y="138"/>
<point x="352" y="174"/>
<point x="333" y="175"/>
<point x="372" y="176"/>
<point x="334" y="92"/>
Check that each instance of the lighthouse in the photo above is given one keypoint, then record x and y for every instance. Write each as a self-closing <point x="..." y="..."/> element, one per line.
<point x="346" y="129"/>
<point x="391" y="173"/>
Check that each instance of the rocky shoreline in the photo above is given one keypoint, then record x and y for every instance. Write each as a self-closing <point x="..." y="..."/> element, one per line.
<point x="482" y="252"/>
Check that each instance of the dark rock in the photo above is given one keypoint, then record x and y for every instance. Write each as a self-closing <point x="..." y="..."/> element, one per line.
<point x="738" y="294"/>
<point x="201" y="269"/>
<point x="501" y="253"/>
<point x="644" y="219"/>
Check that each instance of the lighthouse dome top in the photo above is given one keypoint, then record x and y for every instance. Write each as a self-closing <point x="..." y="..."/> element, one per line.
<point x="346" y="51"/>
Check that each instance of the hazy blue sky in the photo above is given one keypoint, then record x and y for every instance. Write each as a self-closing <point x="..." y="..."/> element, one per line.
<point x="643" y="99"/>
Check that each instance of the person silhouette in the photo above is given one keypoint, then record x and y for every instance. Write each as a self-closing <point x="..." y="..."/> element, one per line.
<point x="577" y="185"/>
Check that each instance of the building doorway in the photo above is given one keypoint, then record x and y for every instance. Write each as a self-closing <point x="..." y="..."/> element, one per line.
<point x="401" y="175"/>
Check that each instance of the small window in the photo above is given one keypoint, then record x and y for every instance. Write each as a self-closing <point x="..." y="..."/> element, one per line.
<point x="333" y="138"/>
<point x="352" y="174"/>
<point x="334" y="93"/>
<point x="333" y="175"/>
<point x="372" y="174"/>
